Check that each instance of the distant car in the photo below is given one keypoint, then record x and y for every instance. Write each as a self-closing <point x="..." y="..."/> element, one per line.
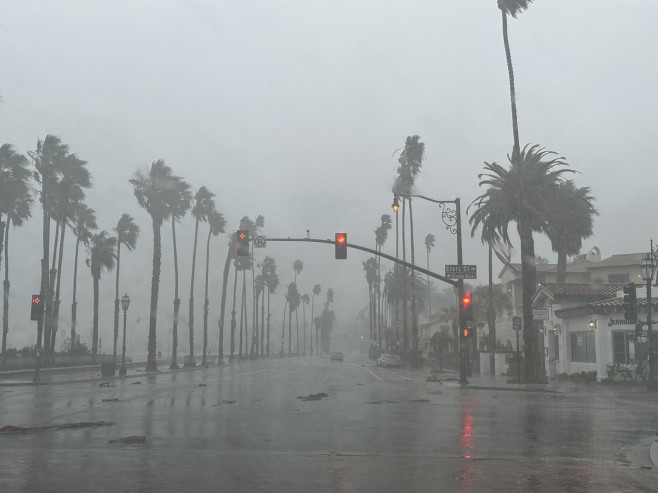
<point x="336" y="356"/>
<point x="389" y="360"/>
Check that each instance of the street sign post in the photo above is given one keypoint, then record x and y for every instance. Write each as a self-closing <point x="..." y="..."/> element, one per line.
<point x="461" y="271"/>
<point x="260" y="241"/>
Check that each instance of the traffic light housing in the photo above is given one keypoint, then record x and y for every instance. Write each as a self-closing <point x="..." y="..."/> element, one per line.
<point x="341" y="245"/>
<point x="630" y="303"/>
<point x="242" y="243"/>
<point x="36" y="307"/>
<point x="467" y="307"/>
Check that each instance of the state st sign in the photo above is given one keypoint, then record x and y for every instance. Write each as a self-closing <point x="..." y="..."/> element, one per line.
<point x="461" y="271"/>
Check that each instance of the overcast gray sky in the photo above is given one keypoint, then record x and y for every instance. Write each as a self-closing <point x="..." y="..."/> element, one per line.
<point x="294" y="110"/>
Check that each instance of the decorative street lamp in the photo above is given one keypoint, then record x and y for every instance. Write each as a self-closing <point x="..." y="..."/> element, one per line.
<point x="125" y="303"/>
<point x="648" y="269"/>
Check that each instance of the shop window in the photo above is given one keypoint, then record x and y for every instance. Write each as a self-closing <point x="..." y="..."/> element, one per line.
<point x="583" y="347"/>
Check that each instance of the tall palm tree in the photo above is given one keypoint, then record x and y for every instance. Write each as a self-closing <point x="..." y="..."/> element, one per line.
<point x="381" y="234"/>
<point x="17" y="215"/>
<point x="48" y="158"/>
<point x="15" y="205"/>
<point x="68" y="192"/>
<point x="85" y="223"/>
<point x="316" y="292"/>
<point x="101" y="257"/>
<point x="180" y="201"/>
<point x="430" y="242"/>
<point x="203" y="206"/>
<point x="151" y="188"/>
<point x="260" y="295"/>
<point x="217" y="224"/>
<point x="513" y="8"/>
<point x="292" y="297"/>
<point x="370" y="268"/>
<point x="297" y="266"/>
<point x="305" y="301"/>
<point x="411" y="161"/>
<point x="574" y="225"/>
<point x="525" y="194"/>
<point x="267" y="272"/>
<point x="272" y="283"/>
<point x="127" y="233"/>
<point x="230" y="255"/>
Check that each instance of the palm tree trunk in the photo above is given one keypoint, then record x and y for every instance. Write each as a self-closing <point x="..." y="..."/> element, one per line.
<point x="262" y="323"/>
<point x="235" y="288"/>
<point x="491" y="316"/>
<point x="312" y="310"/>
<point x="243" y="312"/>
<point x="510" y="71"/>
<point x="174" y="343"/>
<point x="74" y="303"/>
<point x="529" y="280"/>
<point x="116" y="305"/>
<point x="94" y="327"/>
<point x="204" y="361"/>
<point x="304" y="312"/>
<point x="191" y="313"/>
<point x="151" y="363"/>
<point x="227" y="267"/>
<point x="50" y="299"/>
<point x="43" y="322"/>
<point x="289" y="330"/>
<point x="429" y="289"/>
<point x="5" y="288"/>
<point x="414" y="312"/>
<point x="268" y="323"/>
<point x="53" y="334"/>
<point x="561" y="266"/>
<point x="405" y="333"/>
<point x="283" y="326"/>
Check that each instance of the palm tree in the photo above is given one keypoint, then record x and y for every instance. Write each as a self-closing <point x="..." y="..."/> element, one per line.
<point x="297" y="266"/>
<point x="101" y="257"/>
<point x="574" y="224"/>
<point x="411" y="161"/>
<point x="260" y="295"/>
<point x="151" y="189"/>
<point x="272" y="283"/>
<point x="316" y="292"/>
<point x="217" y="224"/>
<point x="429" y="244"/>
<point x="85" y="223"/>
<point x="127" y="233"/>
<point x="48" y="158"/>
<point x="370" y="268"/>
<point x="381" y="234"/>
<point x="526" y="194"/>
<point x="15" y="205"/>
<point x="203" y="206"/>
<point x="305" y="301"/>
<point x="292" y="298"/>
<point x="513" y="8"/>
<point x="68" y="192"/>
<point x="179" y="200"/>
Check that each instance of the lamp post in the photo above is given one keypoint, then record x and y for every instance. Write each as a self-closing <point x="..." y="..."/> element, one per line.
<point x="451" y="217"/>
<point x="648" y="269"/>
<point x="125" y="303"/>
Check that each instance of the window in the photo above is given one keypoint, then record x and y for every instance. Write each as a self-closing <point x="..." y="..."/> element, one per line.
<point x="583" y="347"/>
<point x="623" y="347"/>
<point x="618" y="278"/>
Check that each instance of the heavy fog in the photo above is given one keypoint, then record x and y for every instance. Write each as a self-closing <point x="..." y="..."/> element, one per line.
<point x="297" y="111"/>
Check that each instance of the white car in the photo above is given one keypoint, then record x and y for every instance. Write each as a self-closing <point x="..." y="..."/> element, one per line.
<point x="389" y="360"/>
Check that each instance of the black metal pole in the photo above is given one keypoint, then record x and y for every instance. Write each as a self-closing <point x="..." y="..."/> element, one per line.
<point x="651" y="384"/>
<point x="518" y="356"/>
<point x="122" y="370"/>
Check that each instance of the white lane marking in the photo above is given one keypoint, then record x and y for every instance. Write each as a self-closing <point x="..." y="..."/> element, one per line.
<point x="367" y="369"/>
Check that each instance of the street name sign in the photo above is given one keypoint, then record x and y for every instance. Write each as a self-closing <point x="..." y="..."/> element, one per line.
<point x="461" y="271"/>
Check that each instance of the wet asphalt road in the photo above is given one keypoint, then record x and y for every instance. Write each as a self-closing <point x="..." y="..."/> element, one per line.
<point x="242" y="427"/>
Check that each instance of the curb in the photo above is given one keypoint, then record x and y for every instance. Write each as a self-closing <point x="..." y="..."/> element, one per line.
<point x="653" y="453"/>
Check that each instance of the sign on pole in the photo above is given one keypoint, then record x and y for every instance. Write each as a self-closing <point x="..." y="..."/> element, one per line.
<point x="461" y="271"/>
<point x="516" y="323"/>
<point x="260" y="241"/>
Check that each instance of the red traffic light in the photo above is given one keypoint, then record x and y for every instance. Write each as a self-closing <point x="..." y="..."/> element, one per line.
<point x="35" y="309"/>
<point x="466" y="300"/>
<point x="340" y="242"/>
<point x="341" y="238"/>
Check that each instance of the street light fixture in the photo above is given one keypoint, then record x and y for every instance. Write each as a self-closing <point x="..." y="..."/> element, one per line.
<point x="125" y="303"/>
<point x="592" y="324"/>
<point x="396" y="203"/>
<point x="648" y="269"/>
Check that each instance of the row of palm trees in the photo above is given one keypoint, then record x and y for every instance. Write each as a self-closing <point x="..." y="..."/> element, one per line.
<point x="63" y="179"/>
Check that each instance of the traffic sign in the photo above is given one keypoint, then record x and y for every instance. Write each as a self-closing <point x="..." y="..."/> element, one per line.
<point x="260" y="241"/>
<point x="461" y="271"/>
<point x="516" y="323"/>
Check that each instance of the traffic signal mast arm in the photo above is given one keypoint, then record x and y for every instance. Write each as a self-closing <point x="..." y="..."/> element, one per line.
<point x="453" y="282"/>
